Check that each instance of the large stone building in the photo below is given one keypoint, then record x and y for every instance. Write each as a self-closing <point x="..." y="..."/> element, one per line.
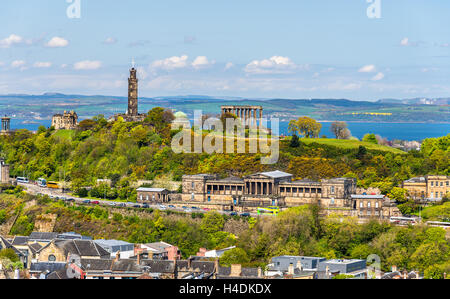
<point x="132" y="114"/>
<point x="66" y="121"/>
<point x="267" y="189"/>
<point x="432" y="187"/>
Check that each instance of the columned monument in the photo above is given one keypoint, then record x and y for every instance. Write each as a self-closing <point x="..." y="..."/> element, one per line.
<point x="251" y="116"/>
<point x="6" y="126"/>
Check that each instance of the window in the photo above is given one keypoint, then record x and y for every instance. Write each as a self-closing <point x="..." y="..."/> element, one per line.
<point x="193" y="185"/>
<point x="332" y="201"/>
<point x="332" y="190"/>
<point x="51" y="258"/>
<point x="368" y="205"/>
<point x="437" y="194"/>
<point x="209" y="198"/>
<point x="192" y="196"/>
<point x="361" y="205"/>
<point x="140" y="197"/>
<point x="442" y="184"/>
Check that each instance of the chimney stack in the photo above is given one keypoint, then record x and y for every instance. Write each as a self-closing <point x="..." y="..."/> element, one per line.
<point x="291" y="269"/>
<point x="236" y="270"/>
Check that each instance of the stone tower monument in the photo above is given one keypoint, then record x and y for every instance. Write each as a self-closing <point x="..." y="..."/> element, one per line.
<point x="132" y="113"/>
<point x="132" y="93"/>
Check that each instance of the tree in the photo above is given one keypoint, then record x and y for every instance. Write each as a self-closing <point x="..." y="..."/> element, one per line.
<point x="305" y="126"/>
<point x="212" y="223"/>
<point x="9" y="254"/>
<point x="398" y="194"/>
<point x="295" y="141"/>
<point x="370" y="138"/>
<point x="233" y="257"/>
<point x="340" y="130"/>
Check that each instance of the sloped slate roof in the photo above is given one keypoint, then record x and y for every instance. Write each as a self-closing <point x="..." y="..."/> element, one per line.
<point x="35" y="247"/>
<point x="19" y="240"/>
<point x="43" y="236"/>
<point x="43" y="267"/>
<point x="82" y="248"/>
<point x="158" y="266"/>
<point x="5" y="244"/>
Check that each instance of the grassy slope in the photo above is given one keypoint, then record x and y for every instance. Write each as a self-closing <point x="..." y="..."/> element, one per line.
<point x="65" y="134"/>
<point x="352" y="144"/>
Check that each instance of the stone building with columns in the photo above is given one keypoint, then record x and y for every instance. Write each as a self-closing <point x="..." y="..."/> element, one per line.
<point x="265" y="189"/>
<point x="251" y="116"/>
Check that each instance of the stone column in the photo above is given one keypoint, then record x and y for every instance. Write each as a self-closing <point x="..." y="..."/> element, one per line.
<point x="255" y="124"/>
<point x="260" y="117"/>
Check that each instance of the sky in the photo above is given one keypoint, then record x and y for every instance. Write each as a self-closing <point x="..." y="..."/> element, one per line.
<point x="239" y="48"/>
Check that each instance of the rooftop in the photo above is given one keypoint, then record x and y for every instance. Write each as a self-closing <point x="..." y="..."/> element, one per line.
<point x="276" y="174"/>
<point x="368" y="196"/>
<point x="142" y="189"/>
<point x="102" y="242"/>
<point x="342" y="261"/>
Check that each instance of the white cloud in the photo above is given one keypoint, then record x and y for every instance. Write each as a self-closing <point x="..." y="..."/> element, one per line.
<point x="110" y="41"/>
<point x="42" y="64"/>
<point x="404" y="42"/>
<point x="201" y="62"/>
<point x="57" y="42"/>
<point x="367" y="69"/>
<point x="378" y="77"/>
<point x="171" y="63"/>
<point x="229" y="65"/>
<point x="17" y="63"/>
<point x="13" y="40"/>
<point x="87" y="65"/>
<point x="275" y="64"/>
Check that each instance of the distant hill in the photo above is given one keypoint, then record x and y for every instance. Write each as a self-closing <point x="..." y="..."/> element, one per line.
<point x="385" y="110"/>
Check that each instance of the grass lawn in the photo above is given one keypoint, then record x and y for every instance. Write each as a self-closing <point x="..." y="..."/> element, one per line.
<point x="352" y="144"/>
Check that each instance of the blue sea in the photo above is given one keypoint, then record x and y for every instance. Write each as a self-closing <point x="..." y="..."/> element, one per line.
<point x="391" y="131"/>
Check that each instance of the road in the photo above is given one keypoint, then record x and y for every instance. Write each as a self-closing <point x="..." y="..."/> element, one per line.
<point x="56" y="193"/>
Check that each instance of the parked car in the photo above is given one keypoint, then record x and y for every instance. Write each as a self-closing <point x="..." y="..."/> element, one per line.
<point x="137" y="206"/>
<point x="195" y="208"/>
<point x="96" y="202"/>
<point x="122" y="205"/>
<point x="146" y="206"/>
<point x="172" y="207"/>
<point x="188" y="210"/>
<point x="233" y="214"/>
<point x="70" y="200"/>
<point x="206" y="209"/>
<point x="86" y="202"/>
<point x="245" y="215"/>
<point x="185" y="208"/>
<point x="112" y="204"/>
